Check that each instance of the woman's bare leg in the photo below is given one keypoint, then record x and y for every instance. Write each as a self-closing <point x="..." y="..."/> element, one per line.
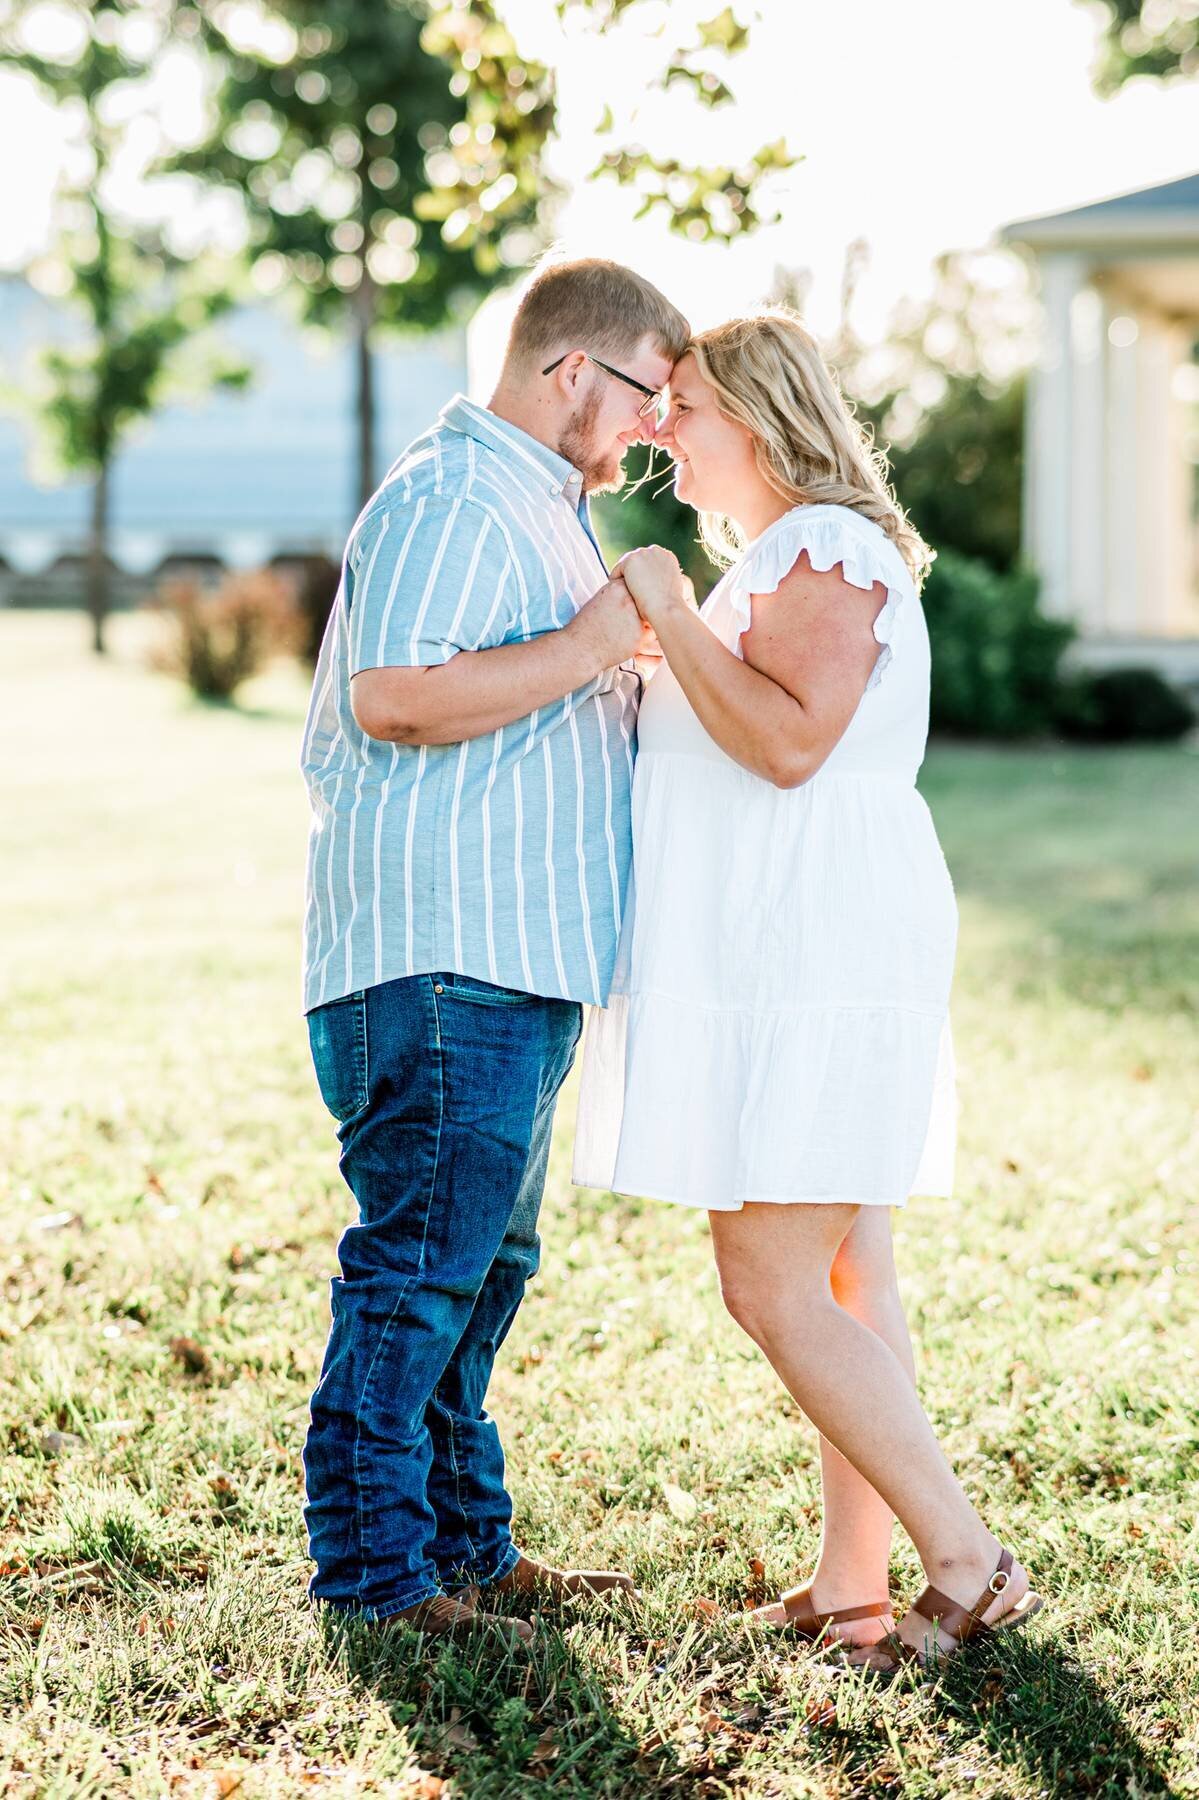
<point x="775" y="1265"/>
<point x="855" y="1543"/>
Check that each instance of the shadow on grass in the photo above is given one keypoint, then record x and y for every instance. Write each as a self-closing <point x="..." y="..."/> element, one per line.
<point x="232" y="707"/>
<point x="502" y="1722"/>
<point x="1035" y="1709"/>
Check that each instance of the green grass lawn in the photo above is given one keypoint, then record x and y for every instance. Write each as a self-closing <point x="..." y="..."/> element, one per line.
<point x="170" y="1205"/>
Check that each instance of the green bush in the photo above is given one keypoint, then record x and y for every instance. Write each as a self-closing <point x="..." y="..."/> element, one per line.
<point x="1122" y="705"/>
<point x="995" y="654"/>
<point x="960" y="476"/>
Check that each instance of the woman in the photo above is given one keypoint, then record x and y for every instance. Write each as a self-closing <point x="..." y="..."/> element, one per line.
<point x="777" y="1046"/>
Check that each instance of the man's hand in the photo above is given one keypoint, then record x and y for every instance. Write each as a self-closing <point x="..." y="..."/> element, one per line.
<point x="656" y="582"/>
<point x="610" y="625"/>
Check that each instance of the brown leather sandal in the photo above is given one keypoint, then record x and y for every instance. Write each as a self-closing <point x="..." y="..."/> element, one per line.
<point x="802" y="1620"/>
<point x="965" y="1624"/>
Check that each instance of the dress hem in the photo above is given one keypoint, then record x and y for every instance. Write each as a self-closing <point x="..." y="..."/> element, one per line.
<point x="739" y="1202"/>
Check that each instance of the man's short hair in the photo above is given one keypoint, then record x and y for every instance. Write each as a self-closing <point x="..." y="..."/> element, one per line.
<point x="593" y="305"/>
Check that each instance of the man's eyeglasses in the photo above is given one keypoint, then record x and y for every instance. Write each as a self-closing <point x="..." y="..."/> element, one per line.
<point x="653" y="396"/>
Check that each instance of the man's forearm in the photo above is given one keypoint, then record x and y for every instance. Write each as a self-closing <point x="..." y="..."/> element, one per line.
<point x="477" y="691"/>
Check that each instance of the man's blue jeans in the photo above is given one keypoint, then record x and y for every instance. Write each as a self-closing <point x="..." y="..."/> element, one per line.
<point x="444" y="1089"/>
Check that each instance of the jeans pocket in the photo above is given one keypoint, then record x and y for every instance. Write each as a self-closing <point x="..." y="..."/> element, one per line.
<point x="337" y="1037"/>
<point x="482" y="993"/>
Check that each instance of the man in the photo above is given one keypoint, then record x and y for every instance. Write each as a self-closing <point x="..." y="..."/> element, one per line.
<point x="469" y="756"/>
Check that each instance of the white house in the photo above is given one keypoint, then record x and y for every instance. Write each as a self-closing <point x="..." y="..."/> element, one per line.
<point x="1112" y="460"/>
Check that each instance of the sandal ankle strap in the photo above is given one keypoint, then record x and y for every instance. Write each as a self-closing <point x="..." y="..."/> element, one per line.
<point x="964" y="1622"/>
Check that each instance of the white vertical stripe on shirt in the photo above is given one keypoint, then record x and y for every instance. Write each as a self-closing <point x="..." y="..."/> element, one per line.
<point x="377" y="863"/>
<point x="394" y="585"/>
<point x="352" y="878"/>
<point x="434" y="570"/>
<point x="518" y="849"/>
<point x="609" y="834"/>
<point x="323" y="971"/>
<point x="580" y="853"/>
<point x="488" y="898"/>
<point x="409" y="836"/>
<point x="551" y="886"/>
<point x="455" y="805"/>
<point x="357" y="623"/>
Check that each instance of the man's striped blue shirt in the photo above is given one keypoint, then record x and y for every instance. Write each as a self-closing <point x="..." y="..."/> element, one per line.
<point x="505" y="857"/>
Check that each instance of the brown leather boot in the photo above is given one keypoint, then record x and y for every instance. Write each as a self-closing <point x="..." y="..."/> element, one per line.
<point x="451" y="1615"/>
<point x="538" y="1579"/>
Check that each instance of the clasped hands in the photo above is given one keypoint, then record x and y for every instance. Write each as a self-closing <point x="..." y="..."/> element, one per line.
<point x="655" y="584"/>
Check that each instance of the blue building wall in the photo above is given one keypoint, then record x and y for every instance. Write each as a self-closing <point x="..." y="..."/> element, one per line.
<point x="242" y="476"/>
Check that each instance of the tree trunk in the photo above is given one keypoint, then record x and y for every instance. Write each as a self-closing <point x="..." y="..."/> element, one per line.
<point x="364" y="318"/>
<point x="97" y="581"/>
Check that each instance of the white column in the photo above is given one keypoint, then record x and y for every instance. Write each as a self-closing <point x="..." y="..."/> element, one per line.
<point x="1159" y="465"/>
<point x="1124" y="456"/>
<point x="1047" y="479"/>
<point x="1087" y="577"/>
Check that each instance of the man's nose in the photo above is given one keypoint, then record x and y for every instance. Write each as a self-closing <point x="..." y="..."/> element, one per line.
<point x="647" y="429"/>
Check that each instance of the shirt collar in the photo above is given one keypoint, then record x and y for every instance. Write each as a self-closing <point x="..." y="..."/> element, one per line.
<point x="536" y="461"/>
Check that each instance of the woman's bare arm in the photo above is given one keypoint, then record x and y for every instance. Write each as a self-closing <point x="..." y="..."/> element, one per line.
<point x="807" y="658"/>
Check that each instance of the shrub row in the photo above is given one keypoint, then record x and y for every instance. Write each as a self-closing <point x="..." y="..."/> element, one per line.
<point x="997" y="667"/>
<point x="997" y="659"/>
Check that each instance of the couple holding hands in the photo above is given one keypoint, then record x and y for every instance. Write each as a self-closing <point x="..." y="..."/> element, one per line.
<point x="537" y="786"/>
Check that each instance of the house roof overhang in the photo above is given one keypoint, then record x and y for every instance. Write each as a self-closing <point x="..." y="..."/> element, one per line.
<point x="1155" y="221"/>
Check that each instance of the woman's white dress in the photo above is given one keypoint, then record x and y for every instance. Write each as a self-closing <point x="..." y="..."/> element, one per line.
<point x="778" y="1025"/>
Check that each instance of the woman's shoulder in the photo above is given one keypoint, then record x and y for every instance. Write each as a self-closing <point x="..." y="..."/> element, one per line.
<point x="832" y="536"/>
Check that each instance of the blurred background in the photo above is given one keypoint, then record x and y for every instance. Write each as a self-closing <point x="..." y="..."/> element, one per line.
<point x="249" y="249"/>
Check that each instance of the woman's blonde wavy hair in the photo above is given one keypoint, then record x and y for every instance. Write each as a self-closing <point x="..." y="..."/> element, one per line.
<point x="769" y="375"/>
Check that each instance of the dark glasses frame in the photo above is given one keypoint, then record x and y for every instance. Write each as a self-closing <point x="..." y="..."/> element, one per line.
<point x="653" y="395"/>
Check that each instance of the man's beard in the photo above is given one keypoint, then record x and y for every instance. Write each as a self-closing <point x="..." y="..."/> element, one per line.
<point x="576" y="446"/>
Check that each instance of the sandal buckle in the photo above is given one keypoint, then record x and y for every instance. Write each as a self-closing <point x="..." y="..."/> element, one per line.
<point x="999" y="1581"/>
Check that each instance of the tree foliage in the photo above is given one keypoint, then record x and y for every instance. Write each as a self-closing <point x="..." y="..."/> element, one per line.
<point x="139" y="308"/>
<point x="944" y="397"/>
<point x="1154" y="38"/>
<point x="393" y="159"/>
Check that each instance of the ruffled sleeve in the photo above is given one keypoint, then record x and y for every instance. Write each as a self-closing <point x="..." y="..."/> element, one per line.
<point x="832" y="536"/>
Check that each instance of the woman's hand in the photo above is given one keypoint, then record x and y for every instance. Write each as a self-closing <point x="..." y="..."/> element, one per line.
<point x="656" y="582"/>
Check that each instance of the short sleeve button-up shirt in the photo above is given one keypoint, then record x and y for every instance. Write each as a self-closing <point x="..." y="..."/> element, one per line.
<point x="505" y="857"/>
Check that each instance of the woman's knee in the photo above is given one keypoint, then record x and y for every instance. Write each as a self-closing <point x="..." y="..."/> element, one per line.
<point x="765" y="1307"/>
<point x="864" y="1266"/>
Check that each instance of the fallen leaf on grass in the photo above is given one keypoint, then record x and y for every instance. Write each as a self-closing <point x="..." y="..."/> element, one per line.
<point x="457" y="1734"/>
<point x="544" y="1751"/>
<point x="226" y="1781"/>
<point x="710" y="1722"/>
<point x="757" y="1568"/>
<point x="820" y="1711"/>
<point x="430" y="1787"/>
<point x="86" y="1577"/>
<point x="707" y="1609"/>
<point x="53" y="1443"/>
<point x="194" y="1358"/>
<point x="683" y="1505"/>
<point x="146" y="1620"/>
